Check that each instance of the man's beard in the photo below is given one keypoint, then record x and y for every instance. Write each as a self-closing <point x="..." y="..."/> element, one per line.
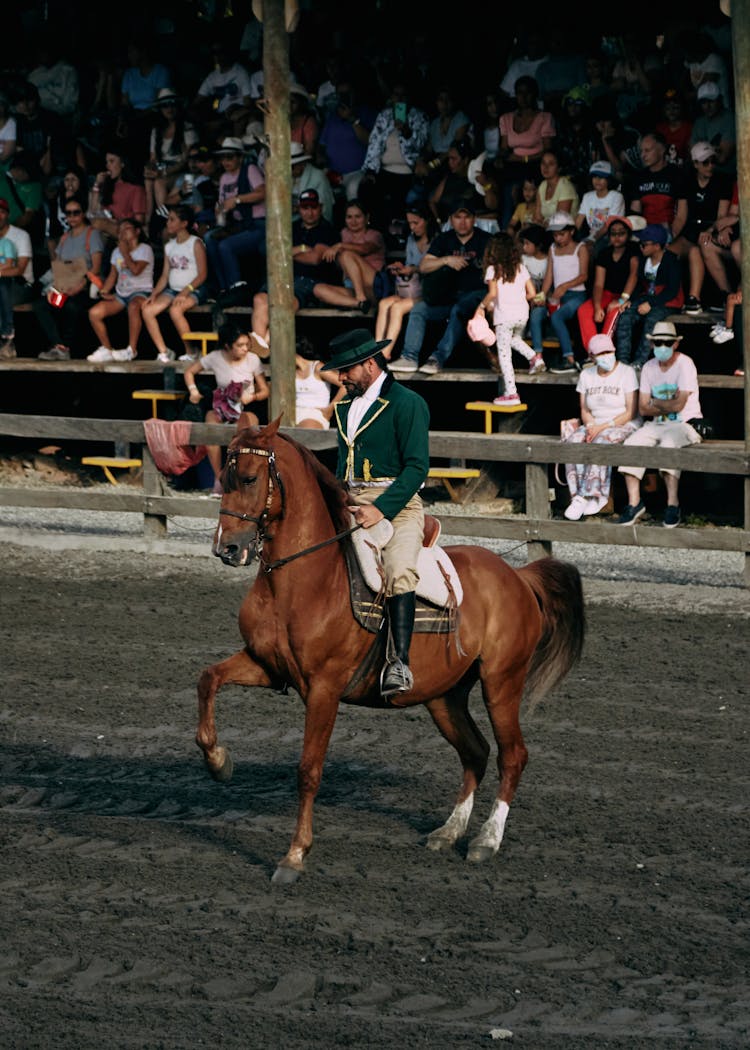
<point x="354" y="389"/>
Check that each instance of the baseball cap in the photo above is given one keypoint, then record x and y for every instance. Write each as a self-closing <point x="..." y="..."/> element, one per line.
<point x="579" y="93"/>
<point x="654" y="233"/>
<point x="561" y="220"/>
<point x="709" y="90"/>
<point x="618" y="218"/>
<point x="603" y="168"/>
<point x="702" y="151"/>
<point x="601" y="344"/>
<point x="466" y="206"/>
<point x="309" y="197"/>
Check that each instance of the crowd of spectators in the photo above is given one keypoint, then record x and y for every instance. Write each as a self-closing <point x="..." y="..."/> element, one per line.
<point x="132" y="181"/>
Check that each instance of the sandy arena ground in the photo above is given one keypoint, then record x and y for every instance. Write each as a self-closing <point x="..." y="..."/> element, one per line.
<point x="137" y="908"/>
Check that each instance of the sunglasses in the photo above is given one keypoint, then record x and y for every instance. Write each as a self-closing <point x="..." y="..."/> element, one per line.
<point x="711" y="160"/>
<point x="662" y="342"/>
<point x="74" y="211"/>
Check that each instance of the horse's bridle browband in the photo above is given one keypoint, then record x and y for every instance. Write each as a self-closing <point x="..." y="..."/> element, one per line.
<point x="260" y="521"/>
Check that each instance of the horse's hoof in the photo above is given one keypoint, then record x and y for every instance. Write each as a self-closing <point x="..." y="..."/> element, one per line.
<point x="285" y="876"/>
<point x="223" y="774"/>
<point x="438" y="841"/>
<point x="480" y="854"/>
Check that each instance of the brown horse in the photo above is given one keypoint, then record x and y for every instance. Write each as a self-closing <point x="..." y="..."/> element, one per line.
<point x="520" y="631"/>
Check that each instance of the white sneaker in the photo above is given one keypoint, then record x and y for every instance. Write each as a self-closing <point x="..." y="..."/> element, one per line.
<point x="166" y="357"/>
<point x="128" y="354"/>
<point x="723" y="335"/>
<point x="594" y="504"/>
<point x="404" y="364"/>
<point x="103" y="353"/>
<point x="431" y="366"/>
<point x="189" y="357"/>
<point x="537" y="365"/>
<point x="574" y="510"/>
<point x="262" y="349"/>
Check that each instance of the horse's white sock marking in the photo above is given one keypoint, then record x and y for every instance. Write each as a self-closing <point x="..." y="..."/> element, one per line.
<point x="492" y="832"/>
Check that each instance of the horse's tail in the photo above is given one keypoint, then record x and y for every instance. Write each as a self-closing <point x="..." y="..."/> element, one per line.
<point x="558" y="590"/>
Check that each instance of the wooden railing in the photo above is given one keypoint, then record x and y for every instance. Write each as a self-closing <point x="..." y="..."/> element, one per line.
<point x="156" y="502"/>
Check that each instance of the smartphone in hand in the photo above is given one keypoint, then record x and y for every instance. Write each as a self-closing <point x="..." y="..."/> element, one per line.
<point x="399" y="112"/>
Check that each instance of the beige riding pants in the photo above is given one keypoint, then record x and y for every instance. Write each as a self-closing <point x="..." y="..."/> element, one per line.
<point x="402" y="550"/>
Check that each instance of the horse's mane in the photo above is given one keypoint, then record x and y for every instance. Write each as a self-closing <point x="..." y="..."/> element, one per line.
<point x="331" y="489"/>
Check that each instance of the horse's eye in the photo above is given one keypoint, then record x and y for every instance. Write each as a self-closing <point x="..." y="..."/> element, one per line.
<point x="249" y="481"/>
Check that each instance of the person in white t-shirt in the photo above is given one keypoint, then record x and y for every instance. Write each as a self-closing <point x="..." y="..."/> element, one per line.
<point x="182" y="284"/>
<point x="127" y="287"/>
<point x="598" y="203"/>
<point x="509" y="290"/>
<point x="668" y="398"/>
<point x="608" y="406"/>
<point x="240" y="381"/>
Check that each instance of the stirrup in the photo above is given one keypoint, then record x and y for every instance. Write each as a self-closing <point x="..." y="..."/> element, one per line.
<point x="396" y="678"/>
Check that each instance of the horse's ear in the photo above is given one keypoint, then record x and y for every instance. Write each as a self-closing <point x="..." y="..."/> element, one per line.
<point x="244" y="422"/>
<point x="273" y="427"/>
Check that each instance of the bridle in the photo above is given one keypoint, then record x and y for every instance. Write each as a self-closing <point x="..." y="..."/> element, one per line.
<point x="262" y="520"/>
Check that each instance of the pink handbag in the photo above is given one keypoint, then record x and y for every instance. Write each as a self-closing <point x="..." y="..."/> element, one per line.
<point x="479" y="331"/>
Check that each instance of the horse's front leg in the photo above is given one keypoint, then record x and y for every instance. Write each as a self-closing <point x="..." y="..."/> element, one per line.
<point x="239" y="669"/>
<point x="320" y="717"/>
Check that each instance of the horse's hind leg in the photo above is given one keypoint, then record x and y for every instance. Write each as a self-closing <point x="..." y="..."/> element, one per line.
<point x="239" y="669"/>
<point x="451" y="715"/>
<point x="502" y="691"/>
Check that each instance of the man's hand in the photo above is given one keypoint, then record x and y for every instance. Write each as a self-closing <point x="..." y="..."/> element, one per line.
<point x="367" y="515"/>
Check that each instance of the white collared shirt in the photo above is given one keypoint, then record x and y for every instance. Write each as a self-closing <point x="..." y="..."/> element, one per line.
<point x="360" y="405"/>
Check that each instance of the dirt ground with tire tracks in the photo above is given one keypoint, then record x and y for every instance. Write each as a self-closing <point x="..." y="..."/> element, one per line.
<point x="137" y="910"/>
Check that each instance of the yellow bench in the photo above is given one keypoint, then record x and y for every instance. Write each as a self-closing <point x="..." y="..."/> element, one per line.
<point x="450" y="474"/>
<point x="155" y="396"/>
<point x="204" y="338"/>
<point x="108" y="463"/>
<point x="488" y="407"/>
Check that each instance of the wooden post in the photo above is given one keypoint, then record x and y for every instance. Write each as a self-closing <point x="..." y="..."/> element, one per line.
<point x="740" y="16"/>
<point x="537" y="506"/>
<point x="279" y="212"/>
<point x="154" y="525"/>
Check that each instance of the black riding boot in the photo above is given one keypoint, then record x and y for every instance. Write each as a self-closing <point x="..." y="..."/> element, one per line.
<point x="396" y="676"/>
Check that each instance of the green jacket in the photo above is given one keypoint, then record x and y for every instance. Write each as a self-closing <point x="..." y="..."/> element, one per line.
<point x="392" y="443"/>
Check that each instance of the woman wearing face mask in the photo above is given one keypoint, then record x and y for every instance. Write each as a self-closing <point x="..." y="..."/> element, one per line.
<point x="608" y="398"/>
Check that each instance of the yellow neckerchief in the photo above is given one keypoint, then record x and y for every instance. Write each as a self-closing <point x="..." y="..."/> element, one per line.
<point x="341" y="426"/>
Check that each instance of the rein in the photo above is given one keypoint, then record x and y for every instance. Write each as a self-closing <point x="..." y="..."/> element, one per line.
<point x="269" y="565"/>
<point x="262" y="519"/>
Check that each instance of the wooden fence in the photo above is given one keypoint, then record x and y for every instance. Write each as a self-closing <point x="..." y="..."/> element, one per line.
<point x="157" y="502"/>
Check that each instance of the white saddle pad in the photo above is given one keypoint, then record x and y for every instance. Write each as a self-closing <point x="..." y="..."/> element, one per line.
<point x="431" y="587"/>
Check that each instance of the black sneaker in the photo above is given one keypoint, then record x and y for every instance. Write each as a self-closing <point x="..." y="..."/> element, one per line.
<point x="692" y="305"/>
<point x="564" y="366"/>
<point x="672" y="517"/>
<point x="632" y="513"/>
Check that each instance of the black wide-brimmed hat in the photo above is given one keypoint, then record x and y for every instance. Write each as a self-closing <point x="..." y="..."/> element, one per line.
<point x="352" y="348"/>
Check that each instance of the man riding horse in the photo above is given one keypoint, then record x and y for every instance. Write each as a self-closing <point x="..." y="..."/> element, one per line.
<point x="383" y="459"/>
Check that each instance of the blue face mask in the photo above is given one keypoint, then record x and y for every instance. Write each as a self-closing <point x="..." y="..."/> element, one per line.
<point x="605" y="361"/>
<point x="662" y="352"/>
